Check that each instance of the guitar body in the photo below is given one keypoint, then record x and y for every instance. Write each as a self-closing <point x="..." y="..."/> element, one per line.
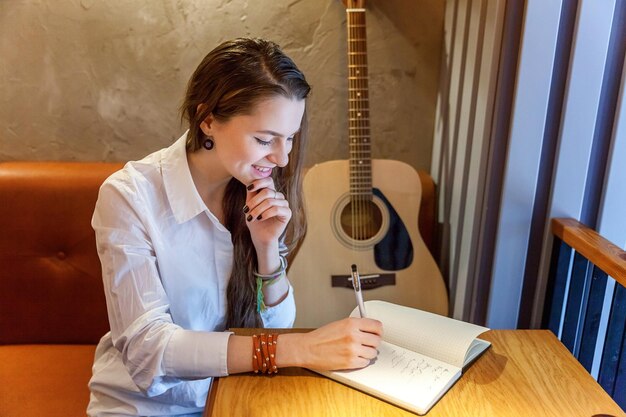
<point x="394" y="250"/>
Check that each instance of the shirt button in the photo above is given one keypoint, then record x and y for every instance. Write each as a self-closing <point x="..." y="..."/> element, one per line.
<point x="61" y="255"/>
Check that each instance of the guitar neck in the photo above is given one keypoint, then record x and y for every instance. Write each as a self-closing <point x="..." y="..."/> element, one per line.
<point x="358" y="106"/>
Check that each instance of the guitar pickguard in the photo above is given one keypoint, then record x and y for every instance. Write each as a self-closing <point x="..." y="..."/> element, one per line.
<point x="395" y="251"/>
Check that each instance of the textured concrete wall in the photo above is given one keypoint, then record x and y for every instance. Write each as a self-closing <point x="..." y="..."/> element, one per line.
<point x="103" y="80"/>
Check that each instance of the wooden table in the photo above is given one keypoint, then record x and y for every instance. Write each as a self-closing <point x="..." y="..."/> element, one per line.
<point x="524" y="373"/>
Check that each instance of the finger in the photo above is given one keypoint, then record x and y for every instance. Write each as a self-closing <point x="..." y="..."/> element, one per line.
<point x="370" y="326"/>
<point x="255" y="198"/>
<point x="370" y="339"/>
<point x="264" y="198"/>
<point x="259" y="184"/>
<point x="282" y="213"/>
<point x="368" y="353"/>
<point x="358" y="363"/>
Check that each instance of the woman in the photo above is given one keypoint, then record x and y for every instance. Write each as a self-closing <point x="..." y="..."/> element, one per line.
<point x="192" y="241"/>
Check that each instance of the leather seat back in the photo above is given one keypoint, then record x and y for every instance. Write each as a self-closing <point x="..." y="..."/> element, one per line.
<point x="50" y="275"/>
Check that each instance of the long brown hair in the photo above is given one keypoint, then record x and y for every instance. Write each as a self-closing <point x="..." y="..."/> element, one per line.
<point x="230" y="81"/>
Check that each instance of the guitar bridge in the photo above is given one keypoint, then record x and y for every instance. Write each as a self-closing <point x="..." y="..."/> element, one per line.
<point x="368" y="281"/>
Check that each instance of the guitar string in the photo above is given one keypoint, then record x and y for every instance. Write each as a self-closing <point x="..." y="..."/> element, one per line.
<point x="350" y="124"/>
<point x="359" y="117"/>
<point x="356" y="121"/>
<point x="355" y="132"/>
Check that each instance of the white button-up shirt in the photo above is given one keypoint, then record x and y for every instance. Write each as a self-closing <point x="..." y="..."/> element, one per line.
<point x="166" y="261"/>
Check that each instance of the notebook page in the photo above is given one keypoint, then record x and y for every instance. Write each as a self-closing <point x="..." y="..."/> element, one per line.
<point x="403" y="377"/>
<point x="430" y="334"/>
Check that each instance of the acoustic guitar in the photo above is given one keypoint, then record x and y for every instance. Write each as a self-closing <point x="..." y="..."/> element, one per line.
<point x="362" y="211"/>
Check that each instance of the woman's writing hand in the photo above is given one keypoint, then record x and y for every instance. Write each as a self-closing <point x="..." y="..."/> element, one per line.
<point x="267" y="212"/>
<point x="345" y="344"/>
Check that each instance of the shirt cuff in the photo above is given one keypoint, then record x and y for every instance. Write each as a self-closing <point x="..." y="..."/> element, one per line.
<point x="283" y="314"/>
<point x="192" y="354"/>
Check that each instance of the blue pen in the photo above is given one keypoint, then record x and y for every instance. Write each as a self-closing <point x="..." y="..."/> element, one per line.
<point x="356" y="283"/>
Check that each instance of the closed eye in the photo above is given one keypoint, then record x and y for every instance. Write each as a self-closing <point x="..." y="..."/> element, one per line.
<point x="263" y="142"/>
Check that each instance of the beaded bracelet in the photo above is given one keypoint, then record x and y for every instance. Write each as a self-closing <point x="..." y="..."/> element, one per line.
<point x="264" y="353"/>
<point x="263" y="280"/>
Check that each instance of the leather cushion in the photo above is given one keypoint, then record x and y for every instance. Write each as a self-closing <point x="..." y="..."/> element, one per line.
<point x="45" y="380"/>
<point x="50" y="279"/>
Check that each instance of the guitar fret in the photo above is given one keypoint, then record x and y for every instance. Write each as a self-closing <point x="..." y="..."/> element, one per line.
<point x="358" y="112"/>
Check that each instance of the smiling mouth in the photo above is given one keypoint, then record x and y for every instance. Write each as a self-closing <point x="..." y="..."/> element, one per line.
<point x="262" y="169"/>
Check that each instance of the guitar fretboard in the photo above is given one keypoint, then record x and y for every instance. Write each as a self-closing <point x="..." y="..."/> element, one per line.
<point x="358" y="107"/>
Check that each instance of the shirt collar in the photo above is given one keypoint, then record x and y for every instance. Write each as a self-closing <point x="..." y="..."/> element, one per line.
<point x="181" y="191"/>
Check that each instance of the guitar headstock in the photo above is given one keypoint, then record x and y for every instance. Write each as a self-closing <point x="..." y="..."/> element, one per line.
<point x="354" y="4"/>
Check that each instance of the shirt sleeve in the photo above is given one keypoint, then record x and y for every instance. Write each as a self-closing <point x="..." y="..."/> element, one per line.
<point x="281" y="315"/>
<point x="157" y="353"/>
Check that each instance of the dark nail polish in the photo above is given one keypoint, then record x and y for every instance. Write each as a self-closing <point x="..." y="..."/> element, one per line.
<point x="249" y="217"/>
<point x="259" y="218"/>
<point x="246" y="209"/>
<point x="249" y="187"/>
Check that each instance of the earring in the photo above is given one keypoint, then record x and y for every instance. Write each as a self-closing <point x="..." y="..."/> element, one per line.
<point x="208" y="143"/>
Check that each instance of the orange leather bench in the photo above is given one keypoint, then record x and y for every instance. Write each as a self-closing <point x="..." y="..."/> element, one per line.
<point x="52" y="307"/>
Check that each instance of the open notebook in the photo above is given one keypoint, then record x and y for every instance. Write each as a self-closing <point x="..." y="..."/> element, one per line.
<point x="421" y="356"/>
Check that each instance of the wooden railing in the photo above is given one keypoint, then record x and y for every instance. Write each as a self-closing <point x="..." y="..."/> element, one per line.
<point x="581" y="264"/>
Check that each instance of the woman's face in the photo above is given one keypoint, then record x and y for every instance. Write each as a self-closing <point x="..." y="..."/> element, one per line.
<point x="251" y="146"/>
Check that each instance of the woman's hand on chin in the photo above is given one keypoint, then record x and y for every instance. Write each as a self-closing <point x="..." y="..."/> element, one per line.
<point x="266" y="211"/>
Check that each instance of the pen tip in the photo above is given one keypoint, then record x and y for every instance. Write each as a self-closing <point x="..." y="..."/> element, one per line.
<point x="353" y="267"/>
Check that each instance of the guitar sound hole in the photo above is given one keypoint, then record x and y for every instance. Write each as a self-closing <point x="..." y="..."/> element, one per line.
<point x="361" y="220"/>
